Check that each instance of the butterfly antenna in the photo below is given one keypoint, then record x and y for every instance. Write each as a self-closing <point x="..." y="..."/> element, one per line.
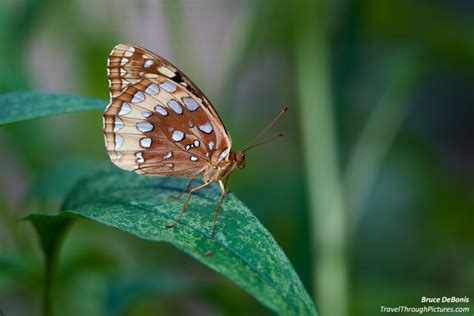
<point x="277" y="117"/>
<point x="281" y="134"/>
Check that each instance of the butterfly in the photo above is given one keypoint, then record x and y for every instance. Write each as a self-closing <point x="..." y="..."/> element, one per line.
<point x="159" y="123"/>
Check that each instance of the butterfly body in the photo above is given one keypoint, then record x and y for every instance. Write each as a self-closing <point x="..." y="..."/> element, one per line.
<point x="235" y="160"/>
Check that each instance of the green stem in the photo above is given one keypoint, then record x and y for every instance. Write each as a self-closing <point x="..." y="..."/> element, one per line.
<point x="323" y="172"/>
<point x="50" y="276"/>
<point x="51" y="231"/>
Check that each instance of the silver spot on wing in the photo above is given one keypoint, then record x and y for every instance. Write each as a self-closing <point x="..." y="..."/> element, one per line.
<point x="206" y="128"/>
<point x="145" y="142"/>
<point x="177" y="136"/>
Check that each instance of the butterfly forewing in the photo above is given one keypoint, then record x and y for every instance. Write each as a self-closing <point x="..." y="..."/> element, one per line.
<point x="158" y="121"/>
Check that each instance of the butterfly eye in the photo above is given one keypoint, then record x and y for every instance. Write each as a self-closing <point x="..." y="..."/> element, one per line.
<point x="240" y="159"/>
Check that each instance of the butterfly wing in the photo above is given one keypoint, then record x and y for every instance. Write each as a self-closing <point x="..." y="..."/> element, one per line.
<point x="158" y="122"/>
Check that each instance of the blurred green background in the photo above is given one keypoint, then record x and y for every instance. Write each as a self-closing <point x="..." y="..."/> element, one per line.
<point x="370" y="194"/>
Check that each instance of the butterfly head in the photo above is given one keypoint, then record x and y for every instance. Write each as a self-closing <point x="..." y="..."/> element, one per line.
<point x="240" y="159"/>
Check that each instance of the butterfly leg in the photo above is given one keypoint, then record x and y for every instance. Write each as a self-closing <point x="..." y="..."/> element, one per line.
<point x="225" y="183"/>
<point x="186" y="203"/>
<point x="223" y="193"/>
<point x="177" y="197"/>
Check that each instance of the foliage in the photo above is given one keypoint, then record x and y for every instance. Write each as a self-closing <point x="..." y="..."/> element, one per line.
<point x="387" y="131"/>
<point x="243" y="249"/>
<point x="20" y="106"/>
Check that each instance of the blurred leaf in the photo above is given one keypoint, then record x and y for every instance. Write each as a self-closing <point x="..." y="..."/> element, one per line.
<point x="18" y="272"/>
<point x="380" y="130"/>
<point x="445" y="33"/>
<point x="20" y="106"/>
<point x="243" y="250"/>
<point x="58" y="181"/>
<point x="124" y="290"/>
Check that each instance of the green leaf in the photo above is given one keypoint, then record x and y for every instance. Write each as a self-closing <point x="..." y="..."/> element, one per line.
<point x="20" y="106"/>
<point x="243" y="250"/>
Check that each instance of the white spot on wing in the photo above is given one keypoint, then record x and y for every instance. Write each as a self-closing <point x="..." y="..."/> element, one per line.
<point x="144" y="127"/>
<point x="148" y="63"/>
<point x="187" y="147"/>
<point x="152" y="89"/>
<point x="161" y="110"/>
<point x="129" y="52"/>
<point x="122" y="72"/>
<point x="138" y="97"/>
<point x="168" y="86"/>
<point x="145" y="142"/>
<point x="177" y="136"/>
<point x="124" y="84"/>
<point x="211" y="145"/>
<point x="224" y="154"/>
<point x="123" y="61"/>
<point x="125" y="109"/>
<point x="173" y="104"/>
<point x="206" y="128"/>
<point x="139" y="156"/>
<point x="190" y="103"/>
<point x="118" y="124"/>
<point x="193" y="158"/>
<point x="118" y="141"/>
<point x="196" y="143"/>
<point x="168" y="156"/>
<point x="146" y="114"/>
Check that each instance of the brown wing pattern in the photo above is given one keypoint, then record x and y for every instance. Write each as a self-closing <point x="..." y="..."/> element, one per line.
<point x="158" y="122"/>
<point x="128" y="63"/>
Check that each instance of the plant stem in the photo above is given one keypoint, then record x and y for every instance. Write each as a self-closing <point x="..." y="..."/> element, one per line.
<point x="50" y="272"/>
<point x="323" y="172"/>
<point x="51" y="231"/>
